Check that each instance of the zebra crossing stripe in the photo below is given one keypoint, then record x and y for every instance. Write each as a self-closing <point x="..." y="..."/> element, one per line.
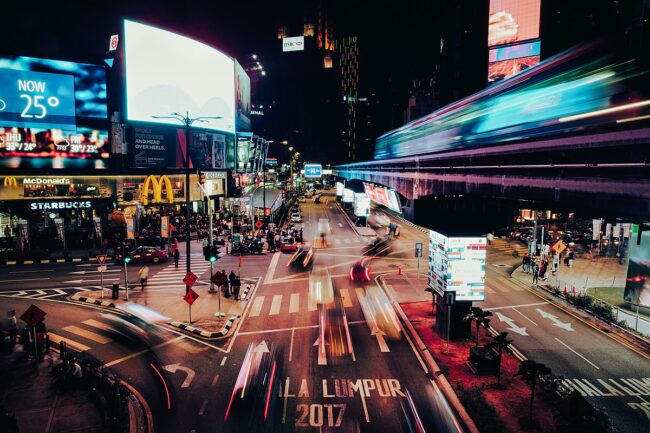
<point x="93" y="301"/>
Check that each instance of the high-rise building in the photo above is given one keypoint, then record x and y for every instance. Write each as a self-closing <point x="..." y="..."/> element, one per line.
<point x="348" y="49"/>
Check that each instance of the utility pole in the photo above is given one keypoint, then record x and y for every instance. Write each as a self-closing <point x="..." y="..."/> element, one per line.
<point x="187" y="121"/>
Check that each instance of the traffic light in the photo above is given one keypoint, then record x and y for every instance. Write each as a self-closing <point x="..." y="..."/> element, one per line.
<point x="201" y="178"/>
<point x="127" y="259"/>
<point x="211" y="254"/>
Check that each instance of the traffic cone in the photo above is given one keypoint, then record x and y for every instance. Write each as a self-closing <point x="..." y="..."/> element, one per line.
<point x="399" y="270"/>
<point x="573" y="289"/>
<point x="566" y="292"/>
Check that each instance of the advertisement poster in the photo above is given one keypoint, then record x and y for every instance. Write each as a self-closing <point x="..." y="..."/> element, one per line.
<point x="53" y="115"/>
<point x="164" y="227"/>
<point x="130" y="230"/>
<point x="243" y="152"/>
<point x="242" y="98"/>
<point x="339" y="189"/>
<point x="513" y="21"/>
<point x="637" y="284"/>
<point x="154" y="147"/>
<point x="361" y="204"/>
<point x="59" y="228"/>
<point x="348" y="195"/>
<point x="98" y="226"/>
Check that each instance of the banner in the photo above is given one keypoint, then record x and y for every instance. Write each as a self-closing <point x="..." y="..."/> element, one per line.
<point x="596" y="229"/>
<point x="23" y="226"/>
<point x="98" y="226"/>
<point x="164" y="227"/>
<point x="130" y="233"/>
<point x="59" y="227"/>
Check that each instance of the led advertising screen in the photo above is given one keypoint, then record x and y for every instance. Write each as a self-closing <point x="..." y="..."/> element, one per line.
<point x="169" y="73"/>
<point x="457" y="264"/>
<point x="348" y="195"/>
<point x="243" y="152"/>
<point x="295" y="43"/>
<point x="53" y="115"/>
<point x="361" y="204"/>
<point x="384" y="196"/>
<point x="502" y="70"/>
<point x="637" y="284"/>
<point x="242" y="98"/>
<point x="339" y="189"/>
<point x="513" y="21"/>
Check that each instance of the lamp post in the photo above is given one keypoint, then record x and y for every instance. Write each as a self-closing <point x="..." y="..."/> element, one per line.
<point x="187" y="121"/>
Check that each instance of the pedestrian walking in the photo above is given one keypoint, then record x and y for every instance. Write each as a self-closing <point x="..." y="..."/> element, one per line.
<point x="177" y="256"/>
<point x="535" y="273"/>
<point x="13" y="326"/>
<point x="236" y="288"/>
<point x="232" y="277"/>
<point x="143" y="274"/>
<point x="525" y="263"/>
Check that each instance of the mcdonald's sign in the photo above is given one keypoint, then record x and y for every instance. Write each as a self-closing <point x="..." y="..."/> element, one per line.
<point x="10" y="181"/>
<point x="156" y="185"/>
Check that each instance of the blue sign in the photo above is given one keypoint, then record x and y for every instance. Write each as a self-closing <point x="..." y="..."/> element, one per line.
<point x="33" y="99"/>
<point x="313" y="170"/>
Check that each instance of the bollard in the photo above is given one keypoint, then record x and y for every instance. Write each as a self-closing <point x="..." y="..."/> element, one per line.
<point x="399" y="270"/>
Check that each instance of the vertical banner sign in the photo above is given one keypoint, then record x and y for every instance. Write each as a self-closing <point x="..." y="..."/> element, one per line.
<point x="98" y="226"/>
<point x="164" y="227"/>
<point x="130" y="233"/>
<point x="24" y="229"/>
<point x="59" y="227"/>
<point x="596" y="229"/>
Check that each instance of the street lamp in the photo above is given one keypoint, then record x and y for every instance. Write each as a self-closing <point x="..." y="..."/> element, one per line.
<point x="187" y="121"/>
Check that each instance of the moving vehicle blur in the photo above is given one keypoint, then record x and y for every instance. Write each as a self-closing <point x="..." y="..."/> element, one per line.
<point x="323" y="227"/>
<point x="377" y="247"/>
<point x="360" y="271"/>
<point x="321" y="290"/>
<point x="144" y="254"/>
<point x="378" y="219"/>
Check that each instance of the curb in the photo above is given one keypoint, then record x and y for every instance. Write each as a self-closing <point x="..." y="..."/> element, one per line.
<point x="408" y="223"/>
<point x="47" y="261"/>
<point x="93" y="301"/>
<point x="202" y="332"/>
<point x="433" y="367"/>
<point x="348" y="220"/>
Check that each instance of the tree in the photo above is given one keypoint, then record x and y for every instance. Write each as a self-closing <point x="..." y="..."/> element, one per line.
<point x="530" y="372"/>
<point x="500" y="342"/>
<point x="480" y="316"/>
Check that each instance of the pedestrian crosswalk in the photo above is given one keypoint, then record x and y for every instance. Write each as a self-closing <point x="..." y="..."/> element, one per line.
<point x="501" y="284"/>
<point x="508" y="247"/>
<point x="171" y="277"/>
<point x="41" y="293"/>
<point x="292" y="303"/>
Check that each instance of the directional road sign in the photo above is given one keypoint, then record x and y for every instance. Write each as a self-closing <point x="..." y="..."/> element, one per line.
<point x="259" y="224"/>
<point x="449" y="298"/>
<point x="313" y="170"/>
<point x="33" y="315"/>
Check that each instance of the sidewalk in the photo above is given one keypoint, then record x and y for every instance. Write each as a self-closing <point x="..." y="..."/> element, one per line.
<point x="38" y="406"/>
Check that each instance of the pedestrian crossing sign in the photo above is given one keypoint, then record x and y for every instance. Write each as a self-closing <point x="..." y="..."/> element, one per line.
<point x="190" y="279"/>
<point x="191" y="296"/>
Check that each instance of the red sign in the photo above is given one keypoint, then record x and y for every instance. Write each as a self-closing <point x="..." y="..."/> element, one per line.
<point x="33" y="315"/>
<point x="189" y="279"/>
<point x="219" y="279"/>
<point x="259" y="224"/>
<point x="101" y="259"/>
<point x="112" y="46"/>
<point x="191" y="296"/>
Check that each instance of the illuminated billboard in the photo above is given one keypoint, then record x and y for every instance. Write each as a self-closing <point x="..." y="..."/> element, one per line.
<point x="637" y="284"/>
<point x="242" y="98"/>
<point x="339" y="189"/>
<point x="52" y="115"/>
<point x="348" y="195"/>
<point x="504" y="69"/>
<point x="168" y="73"/>
<point x="457" y="264"/>
<point x="384" y="196"/>
<point x="295" y="43"/>
<point x="244" y="142"/>
<point x="513" y="21"/>
<point x="313" y="170"/>
<point x="361" y="204"/>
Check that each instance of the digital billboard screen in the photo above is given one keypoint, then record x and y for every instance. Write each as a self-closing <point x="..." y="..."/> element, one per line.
<point x="313" y="170"/>
<point x="168" y="73"/>
<point x="348" y="195"/>
<point x="244" y="143"/>
<point x="361" y="204"/>
<point x="498" y="71"/>
<point x="339" y="189"/>
<point x="513" y="21"/>
<point x="242" y="98"/>
<point x="384" y="196"/>
<point x="53" y="114"/>
<point x="637" y="284"/>
<point x="457" y="264"/>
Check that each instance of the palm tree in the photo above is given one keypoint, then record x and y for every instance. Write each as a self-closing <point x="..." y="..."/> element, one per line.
<point x="500" y="342"/>
<point x="530" y="371"/>
<point x="480" y="316"/>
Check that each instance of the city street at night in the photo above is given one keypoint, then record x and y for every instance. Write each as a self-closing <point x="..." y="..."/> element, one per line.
<point x="325" y="216"/>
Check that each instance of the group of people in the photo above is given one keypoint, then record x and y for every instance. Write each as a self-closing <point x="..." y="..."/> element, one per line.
<point x="538" y="266"/>
<point x="231" y="284"/>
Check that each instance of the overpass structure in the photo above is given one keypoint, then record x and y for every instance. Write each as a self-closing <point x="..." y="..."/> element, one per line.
<point x="573" y="131"/>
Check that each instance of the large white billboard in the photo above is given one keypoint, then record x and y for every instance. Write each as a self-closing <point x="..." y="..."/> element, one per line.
<point x="168" y="73"/>
<point x="457" y="264"/>
<point x="295" y="43"/>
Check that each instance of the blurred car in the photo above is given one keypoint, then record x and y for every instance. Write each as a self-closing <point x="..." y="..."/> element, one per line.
<point x="296" y="217"/>
<point x="288" y="244"/>
<point x="378" y="219"/>
<point x="378" y="246"/>
<point x="323" y="227"/>
<point x="252" y="405"/>
<point x="148" y="255"/>
<point x="360" y="272"/>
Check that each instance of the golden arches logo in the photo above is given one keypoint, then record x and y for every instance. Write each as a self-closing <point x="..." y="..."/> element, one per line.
<point x="10" y="181"/>
<point x="156" y="186"/>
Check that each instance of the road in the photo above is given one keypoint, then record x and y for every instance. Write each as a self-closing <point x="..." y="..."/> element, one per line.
<point x="349" y="381"/>
<point x="607" y="372"/>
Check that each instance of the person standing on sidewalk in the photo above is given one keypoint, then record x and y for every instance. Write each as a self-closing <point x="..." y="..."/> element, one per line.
<point x="13" y="326"/>
<point x="236" y="287"/>
<point x="177" y="256"/>
<point x="144" y="276"/>
<point x="535" y="272"/>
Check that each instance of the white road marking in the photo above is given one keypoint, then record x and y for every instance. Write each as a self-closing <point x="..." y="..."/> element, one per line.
<point x="202" y="410"/>
<point x="294" y="303"/>
<point x="99" y="325"/>
<point x="345" y="296"/>
<point x="257" y="307"/>
<point x="293" y="331"/>
<point x="87" y="334"/>
<point x="567" y="346"/>
<point x="32" y="272"/>
<point x="215" y="380"/>
<point x="525" y="317"/>
<point x="223" y="361"/>
<point x="173" y="368"/>
<point x="27" y="279"/>
<point x="56" y="339"/>
<point x="271" y="270"/>
<point x="275" y="305"/>
<point x="136" y="354"/>
<point x="515" y="306"/>
<point x="311" y="303"/>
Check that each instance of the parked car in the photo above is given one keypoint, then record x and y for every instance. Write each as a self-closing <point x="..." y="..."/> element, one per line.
<point x="296" y="217"/>
<point x="288" y="244"/>
<point x="145" y="255"/>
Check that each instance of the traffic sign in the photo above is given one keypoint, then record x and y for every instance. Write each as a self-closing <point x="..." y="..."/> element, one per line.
<point x="558" y="247"/>
<point x="259" y="224"/>
<point x="219" y="279"/>
<point x="313" y="170"/>
<point x="189" y="279"/>
<point x="33" y="315"/>
<point x="101" y="259"/>
<point x="418" y="249"/>
<point x="449" y="298"/>
<point x="191" y="296"/>
<point x="102" y="268"/>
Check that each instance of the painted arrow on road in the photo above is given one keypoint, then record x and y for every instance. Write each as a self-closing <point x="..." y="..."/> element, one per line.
<point x="261" y="348"/>
<point x="379" y="334"/>
<point x="511" y="324"/>
<point x="173" y="368"/>
<point x="555" y="320"/>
